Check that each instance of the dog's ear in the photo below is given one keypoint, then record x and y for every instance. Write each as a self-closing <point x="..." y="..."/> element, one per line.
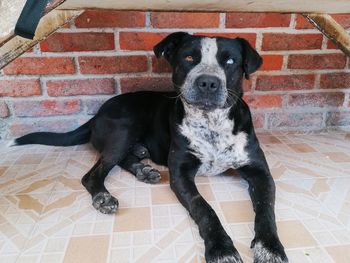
<point x="251" y="59"/>
<point x="168" y="45"/>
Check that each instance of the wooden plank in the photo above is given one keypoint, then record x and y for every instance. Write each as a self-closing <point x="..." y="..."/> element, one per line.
<point x="297" y="6"/>
<point x="47" y="25"/>
<point x="9" y="13"/>
<point x="331" y="29"/>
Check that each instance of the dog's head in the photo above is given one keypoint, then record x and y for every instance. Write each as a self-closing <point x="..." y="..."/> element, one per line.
<point x="208" y="72"/>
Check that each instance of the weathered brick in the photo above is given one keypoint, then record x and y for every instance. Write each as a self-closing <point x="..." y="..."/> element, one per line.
<point x="258" y="120"/>
<point x="342" y="19"/>
<point x="139" y="40"/>
<point x="24" y="126"/>
<point x="71" y="87"/>
<point x="93" y="105"/>
<point x="285" y="82"/>
<point x="316" y="99"/>
<point x="272" y="62"/>
<point x="184" y="20"/>
<point x="335" y="81"/>
<point x="146" y="83"/>
<point x="113" y="65"/>
<point x="250" y="37"/>
<point x="317" y="61"/>
<point x="284" y="41"/>
<point x="263" y="101"/>
<point x="40" y="66"/>
<point x="19" y="88"/>
<point x="338" y="118"/>
<point x="290" y="120"/>
<point x="107" y="18"/>
<point x="87" y="41"/>
<point x="28" y="108"/>
<point x="160" y="65"/>
<point x="4" y="110"/>
<point x="249" y="20"/>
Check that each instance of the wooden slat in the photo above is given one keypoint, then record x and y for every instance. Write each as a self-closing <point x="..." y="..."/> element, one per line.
<point x="48" y="24"/>
<point x="297" y="6"/>
<point x="331" y="29"/>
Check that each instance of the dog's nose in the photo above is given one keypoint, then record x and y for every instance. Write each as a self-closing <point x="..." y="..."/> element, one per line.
<point x="208" y="83"/>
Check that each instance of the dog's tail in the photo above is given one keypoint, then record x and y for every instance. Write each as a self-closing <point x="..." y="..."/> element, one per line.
<point x="80" y="135"/>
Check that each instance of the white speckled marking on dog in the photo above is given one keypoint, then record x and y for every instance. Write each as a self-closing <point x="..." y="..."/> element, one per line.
<point x="262" y="254"/>
<point x="211" y="140"/>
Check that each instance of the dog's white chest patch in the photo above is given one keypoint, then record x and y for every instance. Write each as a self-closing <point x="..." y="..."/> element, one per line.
<point x="212" y="142"/>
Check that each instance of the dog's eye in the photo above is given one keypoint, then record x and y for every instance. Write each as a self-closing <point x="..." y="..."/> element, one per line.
<point x="189" y="58"/>
<point x="230" y="61"/>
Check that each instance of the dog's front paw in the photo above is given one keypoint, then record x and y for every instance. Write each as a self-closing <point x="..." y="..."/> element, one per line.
<point x="105" y="203"/>
<point x="148" y="175"/>
<point x="271" y="253"/>
<point x="223" y="255"/>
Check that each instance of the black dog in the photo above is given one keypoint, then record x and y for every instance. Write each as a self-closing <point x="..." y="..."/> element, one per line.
<point x="202" y="128"/>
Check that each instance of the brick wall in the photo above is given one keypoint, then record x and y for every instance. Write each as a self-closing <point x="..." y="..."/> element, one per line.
<point x="303" y="84"/>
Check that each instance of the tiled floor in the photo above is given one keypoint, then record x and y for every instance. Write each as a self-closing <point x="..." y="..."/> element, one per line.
<point x="46" y="215"/>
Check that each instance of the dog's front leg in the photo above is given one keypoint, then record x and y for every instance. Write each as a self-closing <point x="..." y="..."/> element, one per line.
<point x="218" y="245"/>
<point x="266" y="245"/>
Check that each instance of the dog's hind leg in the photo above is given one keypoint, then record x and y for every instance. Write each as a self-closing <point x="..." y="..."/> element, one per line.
<point x="143" y="172"/>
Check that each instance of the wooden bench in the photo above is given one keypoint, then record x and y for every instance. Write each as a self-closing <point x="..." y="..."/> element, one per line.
<point x="59" y="12"/>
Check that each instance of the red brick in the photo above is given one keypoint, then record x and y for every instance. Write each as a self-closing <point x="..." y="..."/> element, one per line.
<point x="331" y="45"/>
<point x="284" y="41"/>
<point x="40" y="66"/>
<point x="272" y="62"/>
<point x="338" y="118"/>
<point x="263" y="101"/>
<point x="113" y="65"/>
<point x="24" y="126"/>
<point x="247" y="84"/>
<point x="146" y="83"/>
<point x="106" y="18"/>
<point x="4" y="110"/>
<point x="160" y="65"/>
<point x="335" y="81"/>
<point x="303" y="23"/>
<point x="292" y="120"/>
<point x="19" y="88"/>
<point x="184" y="20"/>
<point x="26" y="108"/>
<point x="285" y="82"/>
<point x="67" y="42"/>
<point x="139" y="40"/>
<point x="316" y="99"/>
<point x="250" y="37"/>
<point x="71" y="87"/>
<point x="249" y="20"/>
<point x="258" y="120"/>
<point x="317" y="61"/>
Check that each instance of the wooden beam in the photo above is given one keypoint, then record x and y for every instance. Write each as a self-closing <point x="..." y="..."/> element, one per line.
<point x="47" y="25"/>
<point x="292" y="6"/>
<point x="331" y="29"/>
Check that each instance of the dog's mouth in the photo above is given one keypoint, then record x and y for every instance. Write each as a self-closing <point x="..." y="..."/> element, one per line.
<point x="206" y="104"/>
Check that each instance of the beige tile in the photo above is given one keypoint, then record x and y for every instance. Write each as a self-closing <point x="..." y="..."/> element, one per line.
<point x="269" y="139"/>
<point x="30" y="159"/>
<point x="87" y="249"/>
<point x="237" y="211"/>
<point x="340" y="254"/>
<point x="338" y="157"/>
<point x="294" y="235"/>
<point x="301" y="148"/>
<point x="132" y="219"/>
<point x="163" y="195"/>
